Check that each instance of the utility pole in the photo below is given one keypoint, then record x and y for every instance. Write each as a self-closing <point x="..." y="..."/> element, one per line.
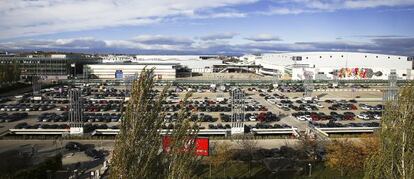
<point x="75" y="112"/>
<point x="391" y="94"/>
<point x="276" y="79"/>
<point x="237" y="118"/>
<point x="308" y="83"/>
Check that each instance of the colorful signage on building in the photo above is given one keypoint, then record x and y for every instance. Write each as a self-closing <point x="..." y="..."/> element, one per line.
<point x="201" y="145"/>
<point x="358" y="73"/>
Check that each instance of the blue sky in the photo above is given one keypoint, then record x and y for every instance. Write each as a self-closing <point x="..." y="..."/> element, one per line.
<point x="208" y="27"/>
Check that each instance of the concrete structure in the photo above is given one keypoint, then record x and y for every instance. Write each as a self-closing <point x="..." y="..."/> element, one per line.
<point x="53" y="67"/>
<point x="331" y="65"/>
<point x="200" y="64"/>
<point x="166" y="71"/>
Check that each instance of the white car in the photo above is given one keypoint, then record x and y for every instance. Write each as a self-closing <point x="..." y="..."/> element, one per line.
<point x="301" y="118"/>
<point x="272" y="101"/>
<point x="304" y="118"/>
<point x="318" y="105"/>
<point x="363" y="116"/>
<point x="366" y="107"/>
<point x="279" y="105"/>
<point x="377" y="117"/>
<point x="252" y="118"/>
<point x="308" y="118"/>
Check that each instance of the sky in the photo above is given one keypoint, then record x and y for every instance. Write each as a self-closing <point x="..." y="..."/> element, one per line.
<point x="207" y="26"/>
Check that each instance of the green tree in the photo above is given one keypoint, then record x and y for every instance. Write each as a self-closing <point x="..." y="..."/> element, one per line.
<point x="395" y="157"/>
<point x="138" y="149"/>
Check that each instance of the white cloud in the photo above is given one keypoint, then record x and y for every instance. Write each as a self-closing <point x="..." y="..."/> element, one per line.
<point x="314" y="6"/>
<point x="263" y="38"/>
<point x="156" y="44"/>
<point x="376" y="3"/>
<point x="73" y="43"/>
<point x="219" y="36"/>
<point x="285" y="11"/>
<point x="26" y="18"/>
<point x="162" y="40"/>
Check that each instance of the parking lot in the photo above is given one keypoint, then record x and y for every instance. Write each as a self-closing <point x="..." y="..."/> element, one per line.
<point x="265" y="108"/>
<point x="327" y="109"/>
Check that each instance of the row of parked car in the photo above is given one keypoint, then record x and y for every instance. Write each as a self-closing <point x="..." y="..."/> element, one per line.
<point x="26" y="107"/>
<point x="335" y="124"/>
<point x="320" y="116"/>
<point x="87" y="117"/>
<point x="301" y="107"/>
<point x="102" y="108"/>
<point x="369" y="115"/>
<point x="268" y="126"/>
<point x="53" y="117"/>
<point x="44" y="101"/>
<point x="201" y="117"/>
<point x="342" y="106"/>
<point x="219" y="126"/>
<point x="24" y="125"/>
<point x="293" y="89"/>
<point x="89" y="127"/>
<point x="207" y="107"/>
<point x="377" y="107"/>
<point x="5" y="117"/>
<point x="101" y="117"/>
<point x="262" y="117"/>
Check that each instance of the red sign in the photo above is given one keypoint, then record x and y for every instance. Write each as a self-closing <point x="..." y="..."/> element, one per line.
<point x="201" y="145"/>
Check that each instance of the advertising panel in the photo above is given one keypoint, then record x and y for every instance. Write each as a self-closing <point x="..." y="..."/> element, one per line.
<point x="119" y="74"/>
<point x="201" y="145"/>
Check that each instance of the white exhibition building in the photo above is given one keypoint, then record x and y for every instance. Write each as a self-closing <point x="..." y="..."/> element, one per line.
<point x="286" y="65"/>
<point x="332" y="65"/>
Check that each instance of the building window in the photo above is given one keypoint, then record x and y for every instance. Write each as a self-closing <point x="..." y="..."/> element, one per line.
<point x="320" y="56"/>
<point x="404" y="74"/>
<point x="306" y="57"/>
<point x="388" y="57"/>
<point x="377" y="56"/>
<point x="330" y="56"/>
<point x="365" y="56"/>
<point x="321" y="73"/>
<point x="342" y="56"/>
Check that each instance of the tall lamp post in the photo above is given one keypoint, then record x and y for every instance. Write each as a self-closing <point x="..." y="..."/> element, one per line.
<point x="310" y="169"/>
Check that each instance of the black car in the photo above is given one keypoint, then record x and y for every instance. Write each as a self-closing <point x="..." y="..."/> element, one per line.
<point x="74" y="146"/>
<point x="94" y="154"/>
<point x="352" y="101"/>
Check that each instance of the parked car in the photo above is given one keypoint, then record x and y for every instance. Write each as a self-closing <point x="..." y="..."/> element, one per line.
<point x="71" y="146"/>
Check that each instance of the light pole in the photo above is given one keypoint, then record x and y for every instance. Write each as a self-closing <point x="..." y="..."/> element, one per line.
<point x="310" y="169"/>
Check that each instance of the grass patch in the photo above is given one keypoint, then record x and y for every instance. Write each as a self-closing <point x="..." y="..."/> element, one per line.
<point x="240" y="169"/>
